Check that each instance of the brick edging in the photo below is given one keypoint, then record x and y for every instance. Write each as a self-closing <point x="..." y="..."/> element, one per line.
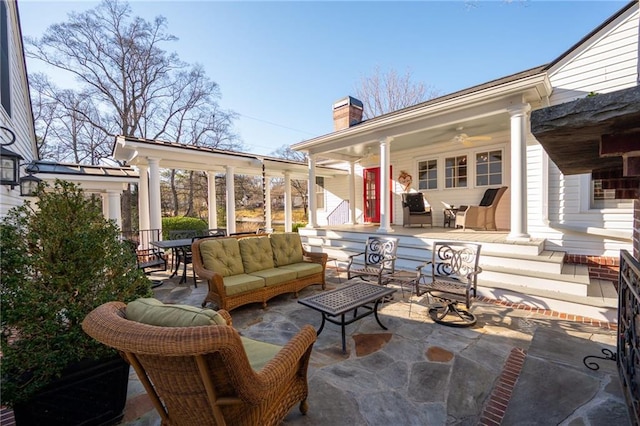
<point x="550" y="313"/>
<point x="496" y="407"/>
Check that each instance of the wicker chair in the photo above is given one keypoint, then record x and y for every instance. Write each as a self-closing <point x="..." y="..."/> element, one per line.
<point x="484" y="215"/>
<point x="201" y="375"/>
<point x="414" y="210"/>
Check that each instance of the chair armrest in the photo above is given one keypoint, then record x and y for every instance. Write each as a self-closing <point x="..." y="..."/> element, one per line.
<point x="423" y="265"/>
<point x="320" y="258"/>
<point x="225" y="314"/>
<point x="351" y="256"/>
<point x="292" y="359"/>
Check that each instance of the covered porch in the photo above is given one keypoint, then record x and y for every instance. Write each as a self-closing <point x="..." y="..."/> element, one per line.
<point x="452" y="148"/>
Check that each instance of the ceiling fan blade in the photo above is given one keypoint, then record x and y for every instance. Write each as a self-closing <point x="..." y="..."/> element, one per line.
<point x="479" y="138"/>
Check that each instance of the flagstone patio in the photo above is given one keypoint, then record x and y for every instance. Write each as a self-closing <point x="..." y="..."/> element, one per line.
<point x="514" y="367"/>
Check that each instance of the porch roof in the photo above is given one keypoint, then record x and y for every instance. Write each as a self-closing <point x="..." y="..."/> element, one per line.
<point x="173" y="155"/>
<point x="93" y="178"/>
<point x="480" y="109"/>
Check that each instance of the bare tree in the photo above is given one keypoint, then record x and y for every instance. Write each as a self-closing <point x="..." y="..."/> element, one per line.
<point x="384" y="92"/>
<point x="298" y="185"/>
<point x="134" y="86"/>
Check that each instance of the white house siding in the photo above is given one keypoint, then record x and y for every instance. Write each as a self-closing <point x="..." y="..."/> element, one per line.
<point x="606" y="63"/>
<point x="336" y="190"/>
<point x="21" y="119"/>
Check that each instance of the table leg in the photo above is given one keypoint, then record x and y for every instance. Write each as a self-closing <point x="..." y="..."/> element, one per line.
<point x="321" y="325"/>
<point x="375" y="314"/>
<point x="344" y="344"/>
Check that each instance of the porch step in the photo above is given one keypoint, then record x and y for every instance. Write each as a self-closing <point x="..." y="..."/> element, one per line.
<point x="601" y="303"/>
<point x="573" y="279"/>
<point x="547" y="261"/>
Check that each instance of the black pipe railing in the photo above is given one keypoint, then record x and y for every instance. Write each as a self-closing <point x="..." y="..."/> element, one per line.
<point x="628" y="353"/>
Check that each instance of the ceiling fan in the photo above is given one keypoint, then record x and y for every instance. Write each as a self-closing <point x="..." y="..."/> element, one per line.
<point x="466" y="140"/>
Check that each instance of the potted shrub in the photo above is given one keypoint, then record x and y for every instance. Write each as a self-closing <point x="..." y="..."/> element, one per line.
<point x="60" y="259"/>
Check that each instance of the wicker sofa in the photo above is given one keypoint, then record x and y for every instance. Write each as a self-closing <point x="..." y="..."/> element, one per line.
<point x="248" y="269"/>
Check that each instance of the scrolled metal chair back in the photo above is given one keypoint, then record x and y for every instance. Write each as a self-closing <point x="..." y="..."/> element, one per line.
<point x="380" y="249"/>
<point x="455" y="259"/>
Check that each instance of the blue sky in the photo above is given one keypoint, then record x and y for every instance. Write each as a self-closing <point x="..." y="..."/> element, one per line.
<point x="281" y="65"/>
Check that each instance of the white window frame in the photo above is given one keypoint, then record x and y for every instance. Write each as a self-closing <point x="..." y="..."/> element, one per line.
<point x="437" y="178"/>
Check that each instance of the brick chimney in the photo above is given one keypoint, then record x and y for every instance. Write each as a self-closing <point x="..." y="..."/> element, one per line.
<point x="346" y="113"/>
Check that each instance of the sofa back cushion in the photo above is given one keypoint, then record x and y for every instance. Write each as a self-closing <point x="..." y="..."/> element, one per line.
<point x="153" y="312"/>
<point x="222" y="255"/>
<point x="256" y="253"/>
<point x="287" y="248"/>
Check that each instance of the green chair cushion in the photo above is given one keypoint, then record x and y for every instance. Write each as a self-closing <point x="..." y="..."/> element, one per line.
<point x="153" y="312"/>
<point x="222" y="255"/>
<point x="259" y="353"/>
<point x="275" y="276"/>
<point x="241" y="283"/>
<point x="256" y="254"/>
<point x="287" y="248"/>
<point x="304" y="269"/>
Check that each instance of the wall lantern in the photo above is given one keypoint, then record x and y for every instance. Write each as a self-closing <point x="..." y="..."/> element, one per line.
<point x="9" y="160"/>
<point x="29" y="184"/>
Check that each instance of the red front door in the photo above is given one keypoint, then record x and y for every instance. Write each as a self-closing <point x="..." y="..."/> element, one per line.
<point x="371" y="178"/>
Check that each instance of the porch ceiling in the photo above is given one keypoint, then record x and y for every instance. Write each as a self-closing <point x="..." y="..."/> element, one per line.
<point x="573" y="133"/>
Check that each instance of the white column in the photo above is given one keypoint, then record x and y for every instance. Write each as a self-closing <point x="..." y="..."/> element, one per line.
<point x="267" y="207"/>
<point x="231" y="201"/>
<point x="105" y="204"/>
<point x="352" y="193"/>
<point x="155" y="209"/>
<point x="213" y="204"/>
<point x="311" y="191"/>
<point x="385" y="201"/>
<point x="288" y="223"/>
<point x="114" y="207"/>
<point x="518" y="115"/>
<point x="143" y="197"/>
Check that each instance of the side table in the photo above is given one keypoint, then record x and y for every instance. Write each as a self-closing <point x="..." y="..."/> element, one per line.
<point x="449" y="216"/>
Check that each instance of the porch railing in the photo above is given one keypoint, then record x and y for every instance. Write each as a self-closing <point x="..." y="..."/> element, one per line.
<point x="142" y="238"/>
<point x="628" y="351"/>
<point x="339" y="215"/>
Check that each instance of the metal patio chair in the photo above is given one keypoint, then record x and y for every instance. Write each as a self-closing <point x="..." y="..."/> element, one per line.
<point x="453" y="278"/>
<point x="379" y="259"/>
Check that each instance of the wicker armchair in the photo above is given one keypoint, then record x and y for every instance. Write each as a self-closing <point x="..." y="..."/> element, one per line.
<point x="484" y="215"/>
<point x="201" y="375"/>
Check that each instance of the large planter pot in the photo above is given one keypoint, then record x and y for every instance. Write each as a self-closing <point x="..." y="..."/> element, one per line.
<point x="88" y="393"/>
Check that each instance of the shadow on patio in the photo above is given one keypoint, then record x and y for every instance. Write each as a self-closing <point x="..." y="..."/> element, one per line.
<point x="513" y="367"/>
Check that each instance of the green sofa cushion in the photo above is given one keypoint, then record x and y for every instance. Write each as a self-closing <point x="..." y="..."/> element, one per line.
<point x="259" y="353"/>
<point x="304" y="269"/>
<point x="222" y="255"/>
<point x="275" y="276"/>
<point x="287" y="248"/>
<point x="241" y="283"/>
<point x="153" y="312"/>
<point x="256" y="254"/>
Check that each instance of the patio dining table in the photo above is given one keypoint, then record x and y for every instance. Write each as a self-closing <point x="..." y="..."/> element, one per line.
<point x="174" y="245"/>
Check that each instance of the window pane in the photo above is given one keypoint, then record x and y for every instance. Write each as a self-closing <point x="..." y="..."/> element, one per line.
<point x="456" y="172"/>
<point x="489" y="168"/>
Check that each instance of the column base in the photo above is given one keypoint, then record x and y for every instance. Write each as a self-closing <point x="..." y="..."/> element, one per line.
<point x="521" y="237"/>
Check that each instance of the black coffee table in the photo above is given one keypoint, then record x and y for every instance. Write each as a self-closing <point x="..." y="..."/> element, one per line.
<point x="338" y="302"/>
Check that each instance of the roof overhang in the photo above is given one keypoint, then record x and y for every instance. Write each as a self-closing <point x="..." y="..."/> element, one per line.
<point x="171" y="155"/>
<point x="435" y="120"/>
<point x="598" y="132"/>
<point x="91" y="178"/>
